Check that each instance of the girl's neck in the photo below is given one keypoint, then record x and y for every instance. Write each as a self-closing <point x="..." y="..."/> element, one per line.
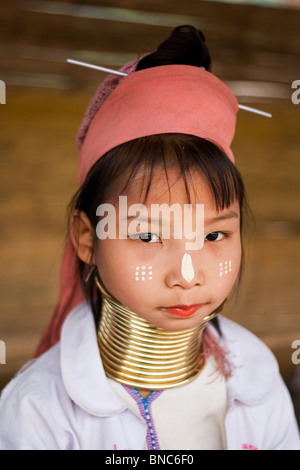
<point x="144" y="393"/>
<point x="138" y="354"/>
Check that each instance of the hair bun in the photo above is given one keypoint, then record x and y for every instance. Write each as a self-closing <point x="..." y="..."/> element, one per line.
<point x="185" y="46"/>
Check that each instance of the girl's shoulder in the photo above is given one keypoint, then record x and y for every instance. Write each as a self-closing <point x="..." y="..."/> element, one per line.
<point x="36" y="374"/>
<point x="239" y="340"/>
<point x="255" y="371"/>
<point x="35" y="395"/>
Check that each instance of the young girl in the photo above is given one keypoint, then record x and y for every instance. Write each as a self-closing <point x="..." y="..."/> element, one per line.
<point x="137" y="355"/>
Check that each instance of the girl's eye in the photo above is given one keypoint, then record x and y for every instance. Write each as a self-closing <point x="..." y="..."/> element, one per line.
<point x="215" y="236"/>
<point x="146" y="237"/>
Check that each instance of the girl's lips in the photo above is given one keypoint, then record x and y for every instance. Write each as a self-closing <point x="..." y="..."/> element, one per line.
<point x="183" y="310"/>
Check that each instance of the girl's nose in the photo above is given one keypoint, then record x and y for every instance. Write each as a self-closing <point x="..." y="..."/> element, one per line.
<point x="185" y="272"/>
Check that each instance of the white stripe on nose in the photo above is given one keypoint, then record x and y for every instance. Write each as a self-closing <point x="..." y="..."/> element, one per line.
<point x="187" y="269"/>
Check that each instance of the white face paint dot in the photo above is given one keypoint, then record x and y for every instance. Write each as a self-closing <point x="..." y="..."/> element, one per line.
<point x="142" y="271"/>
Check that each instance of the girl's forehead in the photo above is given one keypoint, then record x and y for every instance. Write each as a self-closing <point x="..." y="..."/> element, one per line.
<point x="169" y="186"/>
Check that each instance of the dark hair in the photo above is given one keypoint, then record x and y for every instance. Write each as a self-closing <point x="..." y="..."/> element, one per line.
<point x="185" y="46"/>
<point x="185" y="152"/>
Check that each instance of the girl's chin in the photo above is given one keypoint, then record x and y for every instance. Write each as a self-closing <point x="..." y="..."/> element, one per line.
<point x="171" y="322"/>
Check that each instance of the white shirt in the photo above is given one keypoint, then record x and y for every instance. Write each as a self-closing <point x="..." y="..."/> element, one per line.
<point x="191" y="416"/>
<point x="63" y="400"/>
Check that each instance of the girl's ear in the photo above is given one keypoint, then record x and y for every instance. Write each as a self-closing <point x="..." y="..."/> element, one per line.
<point x="82" y="235"/>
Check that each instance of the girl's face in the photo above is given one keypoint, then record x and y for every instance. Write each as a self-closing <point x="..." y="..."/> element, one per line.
<point x="157" y="277"/>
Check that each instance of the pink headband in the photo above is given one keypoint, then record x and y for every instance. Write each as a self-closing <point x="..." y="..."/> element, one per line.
<point x="166" y="99"/>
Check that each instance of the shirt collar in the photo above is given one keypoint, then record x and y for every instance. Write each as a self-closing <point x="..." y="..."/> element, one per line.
<point x="81" y="366"/>
<point x="254" y="367"/>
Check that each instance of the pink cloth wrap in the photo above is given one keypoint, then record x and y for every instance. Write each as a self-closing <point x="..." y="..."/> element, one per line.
<point x="101" y="94"/>
<point x="172" y="98"/>
<point x="166" y="99"/>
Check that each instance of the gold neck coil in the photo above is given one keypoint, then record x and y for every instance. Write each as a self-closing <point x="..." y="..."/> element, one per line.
<point x="138" y="354"/>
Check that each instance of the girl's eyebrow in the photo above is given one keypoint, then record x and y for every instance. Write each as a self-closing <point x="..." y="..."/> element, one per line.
<point x="140" y="219"/>
<point x="228" y="215"/>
